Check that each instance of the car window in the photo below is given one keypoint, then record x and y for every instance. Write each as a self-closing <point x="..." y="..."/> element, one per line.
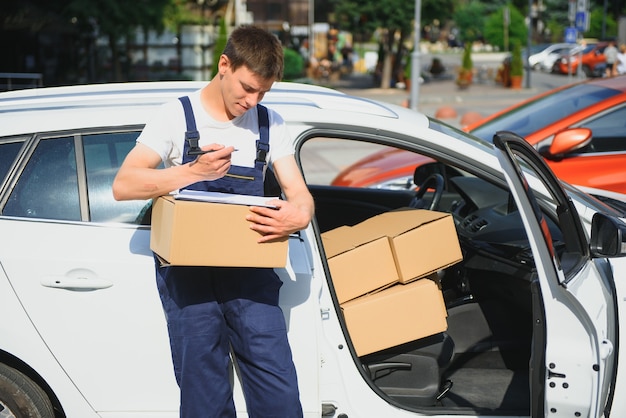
<point x="608" y="132"/>
<point x="8" y="153"/>
<point x="323" y="161"/>
<point x="544" y="111"/>
<point x="48" y="186"/>
<point x="104" y="154"/>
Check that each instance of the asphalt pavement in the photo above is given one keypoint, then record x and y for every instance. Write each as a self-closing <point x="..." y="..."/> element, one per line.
<point x="443" y="99"/>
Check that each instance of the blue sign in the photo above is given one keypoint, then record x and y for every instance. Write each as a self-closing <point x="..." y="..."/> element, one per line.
<point x="581" y="21"/>
<point x="571" y="35"/>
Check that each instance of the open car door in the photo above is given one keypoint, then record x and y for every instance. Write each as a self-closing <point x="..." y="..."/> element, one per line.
<point x="574" y="338"/>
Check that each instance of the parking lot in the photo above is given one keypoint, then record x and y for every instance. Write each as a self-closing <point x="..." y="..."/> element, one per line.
<point x="484" y="96"/>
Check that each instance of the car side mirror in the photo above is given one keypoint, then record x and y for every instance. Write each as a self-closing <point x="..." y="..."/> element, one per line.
<point x="567" y="141"/>
<point x="608" y="236"/>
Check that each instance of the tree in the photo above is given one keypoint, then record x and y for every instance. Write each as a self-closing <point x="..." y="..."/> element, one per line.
<point x="495" y="30"/>
<point x="390" y="18"/>
<point x="470" y="19"/>
<point x="595" y="25"/>
<point x="118" y="19"/>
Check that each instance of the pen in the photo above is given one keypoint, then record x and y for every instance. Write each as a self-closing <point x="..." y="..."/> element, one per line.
<point x="198" y="151"/>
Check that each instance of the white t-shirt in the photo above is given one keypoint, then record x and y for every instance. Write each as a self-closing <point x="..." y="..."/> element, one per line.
<point x="165" y="133"/>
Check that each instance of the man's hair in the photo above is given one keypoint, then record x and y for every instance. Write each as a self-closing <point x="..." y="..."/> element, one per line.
<point x="257" y="49"/>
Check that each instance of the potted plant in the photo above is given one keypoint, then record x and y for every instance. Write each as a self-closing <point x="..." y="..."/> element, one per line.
<point x="464" y="77"/>
<point x="407" y="72"/>
<point x="517" y="66"/>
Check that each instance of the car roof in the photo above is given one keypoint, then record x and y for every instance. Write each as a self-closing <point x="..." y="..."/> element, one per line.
<point x="118" y="104"/>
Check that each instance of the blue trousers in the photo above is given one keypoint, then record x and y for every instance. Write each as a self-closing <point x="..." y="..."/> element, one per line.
<point x="211" y="311"/>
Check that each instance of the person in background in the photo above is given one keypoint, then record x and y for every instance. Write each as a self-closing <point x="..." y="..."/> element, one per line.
<point x="620" y="66"/>
<point x="610" y="53"/>
<point x="213" y="311"/>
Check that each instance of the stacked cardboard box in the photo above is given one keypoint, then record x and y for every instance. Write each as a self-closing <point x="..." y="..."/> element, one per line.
<point x="378" y="269"/>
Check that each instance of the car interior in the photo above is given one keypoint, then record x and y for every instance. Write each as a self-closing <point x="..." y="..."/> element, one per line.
<point x="481" y="362"/>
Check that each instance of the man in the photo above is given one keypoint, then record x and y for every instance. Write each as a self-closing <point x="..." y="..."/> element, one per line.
<point x="211" y="311"/>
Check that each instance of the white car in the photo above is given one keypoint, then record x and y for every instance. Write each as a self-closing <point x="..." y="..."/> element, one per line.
<point x="544" y="59"/>
<point x="534" y="309"/>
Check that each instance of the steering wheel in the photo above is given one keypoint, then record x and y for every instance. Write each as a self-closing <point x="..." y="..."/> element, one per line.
<point x="434" y="181"/>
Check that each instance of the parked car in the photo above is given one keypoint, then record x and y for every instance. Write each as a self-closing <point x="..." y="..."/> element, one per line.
<point x="544" y="60"/>
<point x="578" y="129"/>
<point x="533" y="308"/>
<point x="593" y="60"/>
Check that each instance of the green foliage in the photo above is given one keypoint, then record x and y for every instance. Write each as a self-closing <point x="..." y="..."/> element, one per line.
<point x="366" y="16"/>
<point x="470" y="19"/>
<point x="294" y="64"/>
<point x="466" y="62"/>
<point x="220" y="44"/>
<point x="517" y="64"/>
<point x="118" y="18"/>
<point x="595" y="25"/>
<point x="436" y="10"/>
<point x="494" y="33"/>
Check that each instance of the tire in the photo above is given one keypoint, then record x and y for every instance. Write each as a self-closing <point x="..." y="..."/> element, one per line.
<point x="20" y="397"/>
<point x="587" y="71"/>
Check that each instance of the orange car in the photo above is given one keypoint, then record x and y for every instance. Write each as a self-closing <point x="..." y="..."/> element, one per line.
<point x="593" y="60"/>
<point x="580" y="129"/>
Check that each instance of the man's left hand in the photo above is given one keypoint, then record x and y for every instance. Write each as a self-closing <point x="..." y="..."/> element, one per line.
<point x="278" y="222"/>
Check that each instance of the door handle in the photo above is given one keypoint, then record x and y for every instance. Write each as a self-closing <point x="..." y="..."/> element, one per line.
<point x="75" y="283"/>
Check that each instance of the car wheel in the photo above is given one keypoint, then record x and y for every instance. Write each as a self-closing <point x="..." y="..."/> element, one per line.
<point x="20" y="397"/>
<point x="587" y="71"/>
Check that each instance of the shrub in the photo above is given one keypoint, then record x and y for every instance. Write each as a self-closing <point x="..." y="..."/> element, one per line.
<point x="294" y="64"/>
<point x="517" y="65"/>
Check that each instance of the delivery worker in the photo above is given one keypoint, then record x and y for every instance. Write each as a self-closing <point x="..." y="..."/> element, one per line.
<point x="213" y="310"/>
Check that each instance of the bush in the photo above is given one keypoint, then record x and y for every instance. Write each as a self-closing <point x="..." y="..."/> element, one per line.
<point x="294" y="64"/>
<point x="220" y="44"/>
<point x="467" y="63"/>
<point x="517" y="65"/>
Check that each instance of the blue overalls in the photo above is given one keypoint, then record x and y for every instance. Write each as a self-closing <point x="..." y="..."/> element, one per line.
<point x="211" y="310"/>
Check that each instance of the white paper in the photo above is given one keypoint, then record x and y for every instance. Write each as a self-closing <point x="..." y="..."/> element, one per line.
<point x="217" y="197"/>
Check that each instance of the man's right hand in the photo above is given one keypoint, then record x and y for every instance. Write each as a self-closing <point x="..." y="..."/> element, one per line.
<point x="214" y="164"/>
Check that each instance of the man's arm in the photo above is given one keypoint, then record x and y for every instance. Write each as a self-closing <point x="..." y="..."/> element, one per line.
<point x="291" y="215"/>
<point x="139" y="178"/>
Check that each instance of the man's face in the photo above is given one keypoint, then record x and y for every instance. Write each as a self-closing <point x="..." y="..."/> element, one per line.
<point x="242" y="89"/>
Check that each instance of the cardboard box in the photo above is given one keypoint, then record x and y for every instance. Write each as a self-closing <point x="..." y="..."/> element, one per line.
<point x="422" y="241"/>
<point x="359" y="262"/>
<point x="189" y="233"/>
<point x="394" y="316"/>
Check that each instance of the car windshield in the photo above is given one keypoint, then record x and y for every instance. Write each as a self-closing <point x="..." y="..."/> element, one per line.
<point x="544" y="111"/>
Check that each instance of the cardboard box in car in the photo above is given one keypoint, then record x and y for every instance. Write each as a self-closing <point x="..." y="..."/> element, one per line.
<point x="359" y="262"/>
<point x="394" y="316"/>
<point x="422" y="241"/>
<point x="192" y="233"/>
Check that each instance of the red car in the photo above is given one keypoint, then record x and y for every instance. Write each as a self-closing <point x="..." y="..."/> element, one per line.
<point x="580" y="129"/>
<point x="593" y="60"/>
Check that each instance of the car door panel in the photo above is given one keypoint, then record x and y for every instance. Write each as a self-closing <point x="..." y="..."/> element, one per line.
<point x="577" y="308"/>
<point x="123" y="319"/>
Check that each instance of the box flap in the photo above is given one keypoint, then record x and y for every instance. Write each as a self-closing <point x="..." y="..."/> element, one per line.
<point x="337" y="241"/>
<point x="398" y="222"/>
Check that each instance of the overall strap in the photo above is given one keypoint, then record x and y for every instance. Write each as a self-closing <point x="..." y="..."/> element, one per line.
<point x="262" y="144"/>
<point x="192" y="136"/>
